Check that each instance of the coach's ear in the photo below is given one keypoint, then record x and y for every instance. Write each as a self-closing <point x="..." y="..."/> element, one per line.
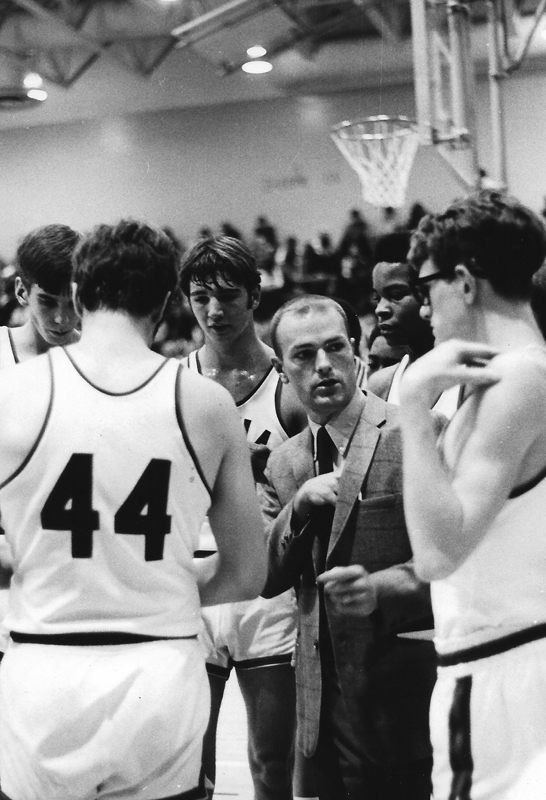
<point x="277" y="363"/>
<point x="21" y="292"/>
<point x="467" y="282"/>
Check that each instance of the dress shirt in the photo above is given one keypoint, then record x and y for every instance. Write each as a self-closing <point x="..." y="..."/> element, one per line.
<point x="340" y="428"/>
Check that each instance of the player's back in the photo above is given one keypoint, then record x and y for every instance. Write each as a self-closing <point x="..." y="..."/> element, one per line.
<point x="97" y="509"/>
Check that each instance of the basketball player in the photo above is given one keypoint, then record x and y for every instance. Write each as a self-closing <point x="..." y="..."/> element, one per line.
<point x="475" y="499"/>
<point x="43" y="287"/>
<point x="222" y="281"/>
<point x="111" y="456"/>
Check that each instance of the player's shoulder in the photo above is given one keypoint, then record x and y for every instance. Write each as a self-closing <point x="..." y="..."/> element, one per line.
<point x="523" y="369"/>
<point x="519" y="395"/>
<point x="197" y="386"/>
<point x="205" y="401"/>
<point x="32" y="373"/>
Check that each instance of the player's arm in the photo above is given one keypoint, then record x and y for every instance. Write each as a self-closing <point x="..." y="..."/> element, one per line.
<point x="238" y="570"/>
<point x="448" y="512"/>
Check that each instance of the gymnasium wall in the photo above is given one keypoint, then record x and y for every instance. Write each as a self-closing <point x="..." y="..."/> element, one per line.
<point x="193" y="167"/>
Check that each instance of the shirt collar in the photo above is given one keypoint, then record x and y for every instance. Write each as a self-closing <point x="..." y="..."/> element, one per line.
<point x="342" y="426"/>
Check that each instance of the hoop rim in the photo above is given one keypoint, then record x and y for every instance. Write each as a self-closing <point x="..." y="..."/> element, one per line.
<point x="408" y="125"/>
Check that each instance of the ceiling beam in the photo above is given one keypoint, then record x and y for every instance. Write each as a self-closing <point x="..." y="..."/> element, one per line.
<point x="39" y="11"/>
<point x="212" y="21"/>
<point x="380" y="22"/>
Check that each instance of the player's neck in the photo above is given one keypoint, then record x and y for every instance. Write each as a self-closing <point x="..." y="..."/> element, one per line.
<point x="247" y="351"/>
<point x="115" y="334"/>
<point x="509" y="326"/>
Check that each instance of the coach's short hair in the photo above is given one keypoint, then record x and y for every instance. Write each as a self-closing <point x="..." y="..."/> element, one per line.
<point x="302" y="306"/>
<point x="493" y="235"/>
<point x="219" y="257"/>
<point x="44" y="258"/>
<point x="130" y="266"/>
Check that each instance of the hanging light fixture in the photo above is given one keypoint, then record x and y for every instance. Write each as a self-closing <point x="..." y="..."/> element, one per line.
<point x="19" y="88"/>
<point x="257" y="66"/>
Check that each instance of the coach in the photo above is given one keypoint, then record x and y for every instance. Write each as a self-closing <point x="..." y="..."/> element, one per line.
<point x="338" y="535"/>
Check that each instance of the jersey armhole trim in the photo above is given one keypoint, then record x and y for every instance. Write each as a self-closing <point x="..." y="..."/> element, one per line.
<point x="42" y="430"/>
<point x="12" y="345"/>
<point x="278" y="392"/>
<point x="183" y="429"/>
<point x="528" y="485"/>
<point x="256" y="388"/>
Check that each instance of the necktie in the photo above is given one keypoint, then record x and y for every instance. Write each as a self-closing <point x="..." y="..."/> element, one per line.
<point x="324" y="515"/>
<point x="325" y="461"/>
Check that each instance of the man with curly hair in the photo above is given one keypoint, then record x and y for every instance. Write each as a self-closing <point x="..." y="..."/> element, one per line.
<point x="475" y="498"/>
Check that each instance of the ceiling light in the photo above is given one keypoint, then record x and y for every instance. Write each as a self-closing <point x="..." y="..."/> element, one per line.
<point x="257" y="67"/>
<point x="256" y="52"/>
<point x="37" y="94"/>
<point x="32" y="81"/>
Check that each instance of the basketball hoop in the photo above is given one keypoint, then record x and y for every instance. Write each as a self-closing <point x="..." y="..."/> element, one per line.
<point x="381" y="150"/>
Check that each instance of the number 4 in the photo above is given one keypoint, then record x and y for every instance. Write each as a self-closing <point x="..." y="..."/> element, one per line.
<point x="144" y="512"/>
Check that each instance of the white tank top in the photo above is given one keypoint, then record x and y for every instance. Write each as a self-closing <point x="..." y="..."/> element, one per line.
<point x="104" y="515"/>
<point x="259" y="410"/>
<point x="8" y="356"/>
<point x="501" y="587"/>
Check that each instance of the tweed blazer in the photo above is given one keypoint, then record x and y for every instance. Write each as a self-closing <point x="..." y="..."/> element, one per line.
<point x="386" y="680"/>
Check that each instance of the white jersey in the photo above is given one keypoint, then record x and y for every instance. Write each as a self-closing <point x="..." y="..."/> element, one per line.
<point x="104" y="514"/>
<point x="259" y="410"/>
<point x="446" y="404"/>
<point x="8" y="355"/>
<point x="501" y="587"/>
<point x="8" y="358"/>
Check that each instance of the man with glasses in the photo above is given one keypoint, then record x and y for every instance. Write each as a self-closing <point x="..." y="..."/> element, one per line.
<point x="475" y="498"/>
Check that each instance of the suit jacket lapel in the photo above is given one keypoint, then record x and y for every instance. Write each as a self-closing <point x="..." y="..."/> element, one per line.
<point x="357" y="463"/>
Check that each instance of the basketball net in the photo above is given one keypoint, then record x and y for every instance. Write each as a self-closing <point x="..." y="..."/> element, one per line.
<point x="381" y="151"/>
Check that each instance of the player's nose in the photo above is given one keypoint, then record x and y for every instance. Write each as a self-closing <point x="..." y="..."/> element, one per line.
<point x="383" y="309"/>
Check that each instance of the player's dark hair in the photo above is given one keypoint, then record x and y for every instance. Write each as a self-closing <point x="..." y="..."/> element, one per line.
<point x="302" y="306"/>
<point x="493" y="235"/>
<point x="131" y="267"/>
<point x="219" y="258"/>
<point x="44" y="257"/>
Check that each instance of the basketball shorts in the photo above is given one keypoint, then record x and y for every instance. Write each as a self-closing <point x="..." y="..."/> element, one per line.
<point x="248" y="635"/>
<point x="100" y="722"/>
<point x="488" y="727"/>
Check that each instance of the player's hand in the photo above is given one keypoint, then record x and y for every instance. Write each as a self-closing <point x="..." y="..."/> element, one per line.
<point x="448" y="364"/>
<point x="259" y="454"/>
<point x="349" y="591"/>
<point x="319" y="491"/>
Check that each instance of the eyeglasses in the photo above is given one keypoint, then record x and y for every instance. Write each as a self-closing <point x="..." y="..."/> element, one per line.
<point x="420" y="289"/>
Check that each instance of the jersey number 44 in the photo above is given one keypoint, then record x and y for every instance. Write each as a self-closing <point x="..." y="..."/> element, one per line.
<point x="69" y="507"/>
